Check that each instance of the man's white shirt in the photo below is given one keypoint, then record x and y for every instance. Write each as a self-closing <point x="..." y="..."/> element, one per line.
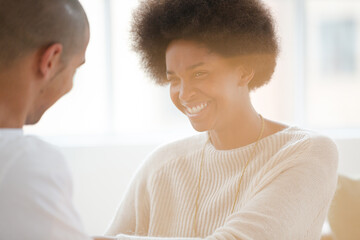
<point x="35" y="191"/>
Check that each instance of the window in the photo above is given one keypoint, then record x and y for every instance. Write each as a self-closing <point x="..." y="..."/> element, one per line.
<point x="333" y="64"/>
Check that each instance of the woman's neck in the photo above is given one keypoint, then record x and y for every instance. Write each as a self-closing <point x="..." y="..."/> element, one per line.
<point x="240" y="131"/>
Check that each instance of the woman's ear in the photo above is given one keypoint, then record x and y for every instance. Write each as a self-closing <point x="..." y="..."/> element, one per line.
<point x="50" y="60"/>
<point x="245" y="74"/>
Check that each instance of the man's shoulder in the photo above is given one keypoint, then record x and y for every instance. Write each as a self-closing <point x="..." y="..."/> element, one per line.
<point x="36" y="188"/>
<point x="30" y="148"/>
<point x="26" y="156"/>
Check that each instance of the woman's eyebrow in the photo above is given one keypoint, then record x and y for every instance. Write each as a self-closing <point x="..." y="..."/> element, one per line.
<point x="169" y="72"/>
<point x="195" y="66"/>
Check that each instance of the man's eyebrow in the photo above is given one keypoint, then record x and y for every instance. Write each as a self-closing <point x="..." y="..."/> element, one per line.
<point x="189" y="68"/>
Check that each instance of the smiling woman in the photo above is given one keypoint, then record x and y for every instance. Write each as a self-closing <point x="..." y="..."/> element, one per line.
<point x="244" y="176"/>
<point x="206" y="87"/>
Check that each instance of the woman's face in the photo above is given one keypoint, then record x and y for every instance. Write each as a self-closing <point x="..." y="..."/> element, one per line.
<point x="205" y="86"/>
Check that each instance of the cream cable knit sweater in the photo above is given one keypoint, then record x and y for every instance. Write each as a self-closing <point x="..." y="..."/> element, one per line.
<point x="284" y="195"/>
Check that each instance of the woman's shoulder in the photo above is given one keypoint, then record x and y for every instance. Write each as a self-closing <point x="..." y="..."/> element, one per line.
<point x="292" y="134"/>
<point x="303" y="151"/>
<point x="174" y="151"/>
<point x="279" y="132"/>
<point x="292" y="142"/>
<point x="310" y="138"/>
<point x="308" y="144"/>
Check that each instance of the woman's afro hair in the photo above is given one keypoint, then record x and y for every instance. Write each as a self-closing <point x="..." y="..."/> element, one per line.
<point x="229" y="28"/>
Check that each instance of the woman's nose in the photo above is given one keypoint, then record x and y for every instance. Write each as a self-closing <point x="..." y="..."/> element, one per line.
<point x="187" y="91"/>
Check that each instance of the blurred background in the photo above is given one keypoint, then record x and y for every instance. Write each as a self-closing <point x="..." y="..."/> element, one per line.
<point x="114" y="116"/>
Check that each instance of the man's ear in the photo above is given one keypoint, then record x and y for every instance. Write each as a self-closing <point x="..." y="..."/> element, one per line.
<point x="50" y="59"/>
<point x="245" y="74"/>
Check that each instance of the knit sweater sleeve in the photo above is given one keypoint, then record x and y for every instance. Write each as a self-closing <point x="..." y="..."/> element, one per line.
<point x="132" y="215"/>
<point x="292" y="203"/>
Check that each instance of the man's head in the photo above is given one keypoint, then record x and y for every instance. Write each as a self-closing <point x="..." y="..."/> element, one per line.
<point x="42" y="43"/>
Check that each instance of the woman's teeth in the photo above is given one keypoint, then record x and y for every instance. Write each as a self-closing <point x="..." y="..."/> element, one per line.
<point x="196" y="109"/>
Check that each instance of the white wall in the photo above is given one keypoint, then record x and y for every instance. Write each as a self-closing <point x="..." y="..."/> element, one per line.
<point x="102" y="173"/>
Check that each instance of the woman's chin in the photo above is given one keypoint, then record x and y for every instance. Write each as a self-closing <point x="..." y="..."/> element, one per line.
<point x="199" y="127"/>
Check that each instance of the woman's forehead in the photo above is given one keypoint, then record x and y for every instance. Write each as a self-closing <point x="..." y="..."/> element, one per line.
<point x="187" y="54"/>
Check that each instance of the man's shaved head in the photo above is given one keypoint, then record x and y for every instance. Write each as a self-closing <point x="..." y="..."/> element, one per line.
<point x="29" y="25"/>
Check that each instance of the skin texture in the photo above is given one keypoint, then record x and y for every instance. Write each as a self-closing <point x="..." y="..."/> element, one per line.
<point x="198" y="76"/>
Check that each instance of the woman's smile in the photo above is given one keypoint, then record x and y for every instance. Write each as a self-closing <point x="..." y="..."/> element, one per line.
<point x="195" y="110"/>
<point x="204" y="86"/>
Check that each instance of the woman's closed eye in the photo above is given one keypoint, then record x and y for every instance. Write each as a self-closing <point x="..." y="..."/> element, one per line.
<point x="199" y="75"/>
